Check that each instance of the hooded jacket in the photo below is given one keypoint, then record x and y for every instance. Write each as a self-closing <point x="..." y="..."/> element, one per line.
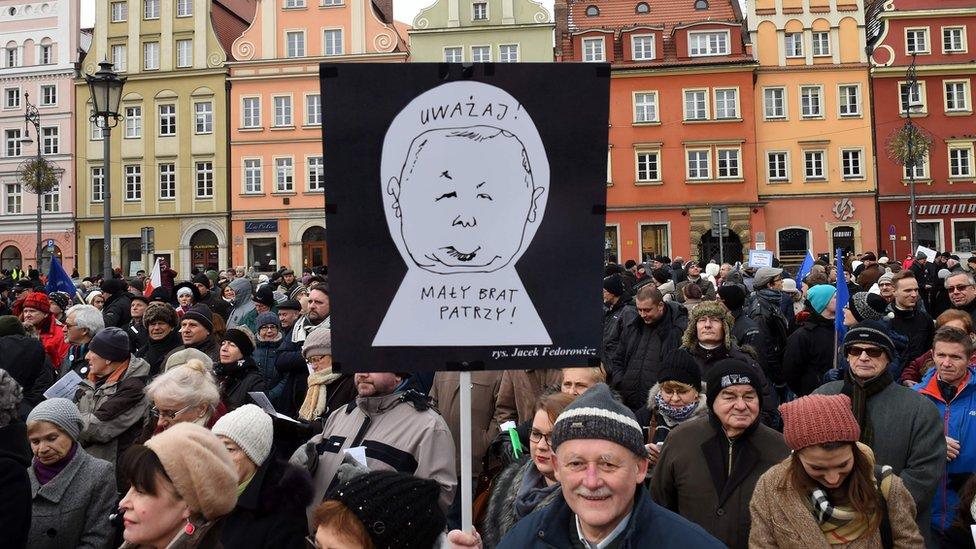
<point x="242" y="304"/>
<point x="638" y="358"/>
<point x="270" y="511"/>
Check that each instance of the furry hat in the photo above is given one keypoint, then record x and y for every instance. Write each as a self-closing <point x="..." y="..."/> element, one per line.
<point x="158" y="311"/>
<point x="38" y="301"/>
<point x="713" y="309"/>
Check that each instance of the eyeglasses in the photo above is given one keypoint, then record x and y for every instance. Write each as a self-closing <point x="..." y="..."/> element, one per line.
<point x="959" y="288"/>
<point x="537" y="436"/>
<point x="166" y="414"/>
<point x="873" y="352"/>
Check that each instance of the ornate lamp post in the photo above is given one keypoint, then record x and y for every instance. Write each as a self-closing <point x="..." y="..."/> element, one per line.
<point x="105" y="87"/>
<point x="33" y="118"/>
<point x="912" y="102"/>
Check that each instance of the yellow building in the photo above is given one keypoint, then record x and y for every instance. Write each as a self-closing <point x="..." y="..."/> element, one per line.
<point x="168" y="165"/>
<point x="813" y="125"/>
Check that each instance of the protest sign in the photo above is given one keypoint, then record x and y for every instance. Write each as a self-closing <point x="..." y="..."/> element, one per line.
<point x="760" y="258"/>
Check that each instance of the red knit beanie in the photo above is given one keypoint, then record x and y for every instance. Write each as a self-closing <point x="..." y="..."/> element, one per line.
<point x="39" y="301"/>
<point x="816" y="419"/>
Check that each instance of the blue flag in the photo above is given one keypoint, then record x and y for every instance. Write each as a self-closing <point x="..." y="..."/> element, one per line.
<point x="58" y="280"/>
<point x="804" y="269"/>
<point x="843" y="296"/>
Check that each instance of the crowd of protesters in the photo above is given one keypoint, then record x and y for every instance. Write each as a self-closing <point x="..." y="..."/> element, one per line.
<point x="724" y="409"/>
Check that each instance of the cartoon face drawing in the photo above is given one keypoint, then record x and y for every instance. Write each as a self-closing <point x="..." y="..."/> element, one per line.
<point x="464" y="198"/>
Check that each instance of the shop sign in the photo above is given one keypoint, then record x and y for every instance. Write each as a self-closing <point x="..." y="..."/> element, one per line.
<point x="268" y="226"/>
<point x="945" y="209"/>
<point x="843" y="209"/>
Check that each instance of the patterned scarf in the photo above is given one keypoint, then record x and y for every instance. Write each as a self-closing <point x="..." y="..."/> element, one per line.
<point x="860" y="394"/>
<point x="675" y="413"/>
<point x="842" y="524"/>
<point x="315" y="398"/>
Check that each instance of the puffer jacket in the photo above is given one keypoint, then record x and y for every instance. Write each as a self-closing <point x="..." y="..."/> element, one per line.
<point x="917" y="326"/>
<point x="640" y="354"/>
<point x="112" y="411"/>
<point x="116" y="311"/>
<point x="264" y="356"/>
<point x="501" y="515"/>
<point x="242" y="304"/>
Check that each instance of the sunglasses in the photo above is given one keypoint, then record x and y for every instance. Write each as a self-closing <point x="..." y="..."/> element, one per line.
<point x="873" y="352"/>
<point x="959" y="288"/>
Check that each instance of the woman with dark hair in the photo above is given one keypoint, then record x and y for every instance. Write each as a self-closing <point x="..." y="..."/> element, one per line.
<point x="829" y="492"/>
<point x="959" y="534"/>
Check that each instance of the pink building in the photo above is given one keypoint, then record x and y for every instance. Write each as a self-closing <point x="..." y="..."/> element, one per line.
<point x="276" y="163"/>
<point x="39" y="45"/>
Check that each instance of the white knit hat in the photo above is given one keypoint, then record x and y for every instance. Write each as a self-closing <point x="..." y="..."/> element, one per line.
<point x="250" y="428"/>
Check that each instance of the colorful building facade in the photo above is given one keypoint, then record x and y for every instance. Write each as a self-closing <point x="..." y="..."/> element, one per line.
<point x="41" y="42"/>
<point x="169" y="153"/>
<point x="942" y="35"/>
<point x="681" y="134"/>
<point x="813" y="125"/>
<point x="505" y="31"/>
<point x="276" y="156"/>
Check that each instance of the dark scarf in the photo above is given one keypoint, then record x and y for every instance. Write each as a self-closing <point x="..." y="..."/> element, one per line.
<point x="237" y="369"/>
<point x="46" y="473"/>
<point x="532" y="491"/>
<point x="154" y="352"/>
<point x="712" y="356"/>
<point x="860" y="394"/>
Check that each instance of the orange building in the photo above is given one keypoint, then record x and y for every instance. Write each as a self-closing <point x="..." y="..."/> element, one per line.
<point x="682" y="138"/>
<point x="276" y="166"/>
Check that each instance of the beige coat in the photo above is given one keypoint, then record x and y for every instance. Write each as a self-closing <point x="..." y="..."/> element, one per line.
<point x="519" y="390"/>
<point x="780" y="518"/>
<point x="484" y="428"/>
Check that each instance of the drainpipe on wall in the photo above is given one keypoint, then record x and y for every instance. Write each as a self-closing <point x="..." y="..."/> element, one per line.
<point x="230" y="171"/>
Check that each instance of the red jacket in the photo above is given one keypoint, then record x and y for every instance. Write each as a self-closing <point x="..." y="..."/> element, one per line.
<point x="52" y="337"/>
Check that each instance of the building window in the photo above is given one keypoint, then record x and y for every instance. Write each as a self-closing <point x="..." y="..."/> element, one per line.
<point x="97" y="184"/>
<point x="849" y="100"/>
<point x="49" y="95"/>
<point x="120" y="11"/>
<point x="251" y="112"/>
<point x="252" y="176"/>
<point x="184" y="53"/>
<point x="821" y="44"/>
<point x="728" y="164"/>
<point x="953" y="39"/>
<point x="481" y="54"/>
<point x="811" y="102"/>
<point x="151" y="10"/>
<point x="316" y="174"/>
<point x="654" y="240"/>
<point x="333" y="42"/>
<point x="794" y="44"/>
<point x="46" y="54"/>
<point x="645" y="107"/>
<point x="296" y="43"/>
<point x="814" y="165"/>
<point x="648" y="166"/>
<point x="51" y="200"/>
<point x="205" y="180"/>
<point x="851" y="164"/>
<point x="479" y="11"/>
<point x="133" y="182"/>
<point x="708" y="43"/>
<point x="916" y="41"/>
<point x="696" y="104"/>
<point x="453" y="55"/>
<point x="642" y="8"/>
<point x="12" y="142"/>
<point x="642" y="46"/>
<point x="262" y="251"/>
<point x="150" y="56"/>
<point x="912" y="97"/>
<point x="203" y="117"/>
<point x="11" y="98"/>
<point x="960" y="162"/>
<point x="920" y="169"/>
<point x="777" y="166"/>
<point x="51" y="140"/>
<point x="282" y="111"/>
<point x="294" y="3"/>
<point x="313" y="109"/>
<point x="508" y="53"/>
<point x="284" y="175"/>
<point x="167" y="181"/>
<point x="15" y="202"/>
<point x="184" y="8"/>
<point x="957" y="96"/>
<point x="592" y="11"/>
<point x="119" y="60"/>
<point x="774" y="103"/>
<point x="726" y="104"/>
<point x="96" y="128"/>
<point x="963" y="236"/>
<point x="593" y="50"/>
<point x="167" y="120"/>
<point x="698" y="164"/>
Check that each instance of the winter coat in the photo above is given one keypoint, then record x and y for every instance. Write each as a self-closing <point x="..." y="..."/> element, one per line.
<point x="706" y="286"/>
<point x="501" y="516"/>
<point x="116" y="311"/>
<point x="519" y="390"/>
<point x="270" y="511"/>
<point x="909" y="437"/>
<point x="112" y="411"/>
<point x="782" y="520"/>
<point x="960" y="424"/>
<point x="155" y="352"/>
<point x="693" y="476"/>
<point x="264" y="357"/>
<point x="289" y="435"/>
<point x="24" y="358"/>
<point x="970" y="308"/>
<point x="484" y="386"/>
<point x="650" y="525"/>
<point x="236" y="381"/>
<point x="400" y="433"/>
<point x="52" y="338"/>
<point x="917" y="326"/>
<point x="72" y="509"/>
<point x="216" y="303"/>
<point x="613" y="317"/>
<point x="640" y="354"/>
<point x="75" y="361"/>
<point x="15" y="488"/>
<point x="242" y="304"/>
<point x="774" y="331"/>
<point x="138" y="335"/>
<point x="745" y="331"/>
<point x="809" y="354"/>
<point x="208" y="346"/>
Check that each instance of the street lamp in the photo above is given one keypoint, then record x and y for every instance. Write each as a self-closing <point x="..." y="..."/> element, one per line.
<point x="33" y="118"/>
<point x="912" y="102"/>
<point x="105" y="87"/>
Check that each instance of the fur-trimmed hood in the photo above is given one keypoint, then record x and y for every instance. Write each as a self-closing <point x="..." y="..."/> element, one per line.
<point x="707" y="308"/>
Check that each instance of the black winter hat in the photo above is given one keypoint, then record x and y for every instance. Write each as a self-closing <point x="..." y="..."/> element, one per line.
<point x="868" y="306"/>
<point x="728" y="372"/>
<point x="140" y="297"/>
<point x="202" y="279"/>
<point x="111" y="344"/>
<point x="242" y="337"/>
<point x="264" y="296"/>
<point x="680" y="366"/>
<point x="160" y="295"/>
<point x="290" y="305"/>
<point x="733" y="296"/>
<point x="113" y="286"/>
<point x="661" y="275"/>
<point x="202" y="314"/>
<point x="871" y="332"/>
<point x="614" y="285"/>
<point x="399" y="511"/>
<point x="10" y="325"/>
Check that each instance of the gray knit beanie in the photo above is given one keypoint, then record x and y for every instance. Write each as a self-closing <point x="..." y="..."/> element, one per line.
<point x="318" y="343"/>
<point x="61" y="412"/>
<point x="596" y="414"/>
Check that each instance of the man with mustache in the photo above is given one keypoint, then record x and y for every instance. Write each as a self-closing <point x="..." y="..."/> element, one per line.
<point x="710" y="465"/>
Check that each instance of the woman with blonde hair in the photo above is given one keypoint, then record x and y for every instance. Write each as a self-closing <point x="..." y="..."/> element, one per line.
<point x="185" y="393"/>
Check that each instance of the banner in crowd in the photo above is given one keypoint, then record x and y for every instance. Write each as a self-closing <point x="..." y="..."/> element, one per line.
<point x="465" y="214"/>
